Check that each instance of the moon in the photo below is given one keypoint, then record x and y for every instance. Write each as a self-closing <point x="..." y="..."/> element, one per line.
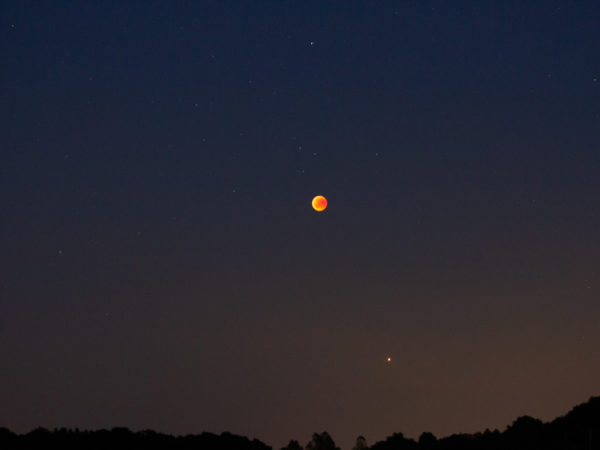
<point x="319" y="203"/>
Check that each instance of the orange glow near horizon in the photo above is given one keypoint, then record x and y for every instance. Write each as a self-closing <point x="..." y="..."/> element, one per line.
<point x="319" y="203"/>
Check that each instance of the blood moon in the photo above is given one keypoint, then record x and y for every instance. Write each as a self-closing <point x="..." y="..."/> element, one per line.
<point x="319" y="203"/>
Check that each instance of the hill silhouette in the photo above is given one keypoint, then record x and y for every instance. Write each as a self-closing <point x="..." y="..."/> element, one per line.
<point x="577" y="430"/>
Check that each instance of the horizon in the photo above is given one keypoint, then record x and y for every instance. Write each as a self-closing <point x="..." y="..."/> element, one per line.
<point x="517" y="422"/>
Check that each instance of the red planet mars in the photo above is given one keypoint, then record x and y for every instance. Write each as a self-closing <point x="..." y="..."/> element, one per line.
<point x="319" y="203"/>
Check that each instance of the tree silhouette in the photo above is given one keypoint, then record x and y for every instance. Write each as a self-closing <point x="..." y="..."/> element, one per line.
<point x="361" y="444"/>
<point x="293" y="445"/>
<point x="577" y="430"/>
<point x="525" y="432"/>
<point x="321" y="442"/>
<point x="427" y="441"/>
<point x="396" y="441"/>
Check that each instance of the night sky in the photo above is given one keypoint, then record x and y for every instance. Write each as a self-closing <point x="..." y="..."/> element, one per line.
<point x="161" y="265"/>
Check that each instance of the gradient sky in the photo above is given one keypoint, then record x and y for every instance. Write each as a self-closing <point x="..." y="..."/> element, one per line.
<point x="161" y="266"/>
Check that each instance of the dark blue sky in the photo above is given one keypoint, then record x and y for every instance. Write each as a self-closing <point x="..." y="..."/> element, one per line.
<point x="161" y="264"/>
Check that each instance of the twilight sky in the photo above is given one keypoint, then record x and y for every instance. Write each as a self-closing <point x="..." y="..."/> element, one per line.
<point x="161" y="266"/>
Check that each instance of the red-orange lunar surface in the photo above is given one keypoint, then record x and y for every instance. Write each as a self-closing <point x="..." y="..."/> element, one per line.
<point x="319" y="203"/>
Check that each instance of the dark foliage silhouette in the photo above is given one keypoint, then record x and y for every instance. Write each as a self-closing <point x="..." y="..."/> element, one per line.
<point x="577" y="430"/>
<point x="361" y="443"/>
<point x="396" y="441"/>
<point x="321" y="441"/>
<point x="293" y="445"/>
<point x="122" y="437"/>
<point x="427" y="441"/>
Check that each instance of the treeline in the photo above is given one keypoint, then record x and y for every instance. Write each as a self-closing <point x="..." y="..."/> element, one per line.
<point x="63" y="438"/>
<point x="577" y="430"/>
